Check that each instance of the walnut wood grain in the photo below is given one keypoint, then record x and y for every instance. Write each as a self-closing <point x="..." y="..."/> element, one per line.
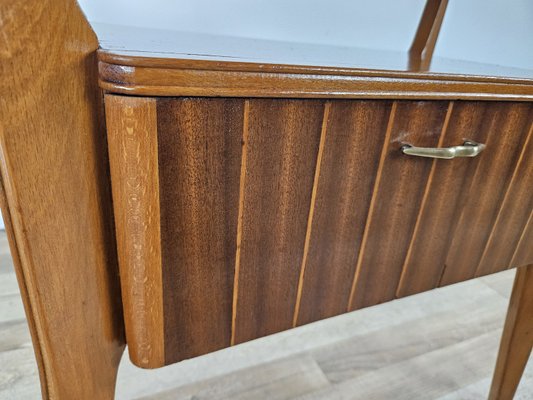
<point x="523" y="253"/>
<point x="200" y="146"/>
<point x="517" y="338"/>
<point x="280" y="212"/>
<point x="446" y="193"/>
<point x="152" y="76"/>
<point x="511" y="220"/>
<point x="133" y="154"/>
<point x="282" y="148"/>
<point x="319" y="158"/>
<point x="57" y="202"/>
<point x="353" y="141"/>
<point x="507" y="127"/>
<point x="398" y="194"/>
<point x="152" y="60"/>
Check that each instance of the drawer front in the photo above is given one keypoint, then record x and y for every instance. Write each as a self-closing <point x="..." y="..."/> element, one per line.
<point x="238" y="218"/>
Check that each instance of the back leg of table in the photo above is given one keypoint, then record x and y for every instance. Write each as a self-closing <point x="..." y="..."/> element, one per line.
<point x="517" y="338"/>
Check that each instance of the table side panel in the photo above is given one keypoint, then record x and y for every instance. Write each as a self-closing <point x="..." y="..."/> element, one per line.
<point x="354" y="137"/>
<point x="199" y="149"/>
<point x="398" y="194"/>
<point x="507" y="127"/>
<point x="279" y="212"/>
<point x="281" y="143"/>
<point x="445" y="194"/>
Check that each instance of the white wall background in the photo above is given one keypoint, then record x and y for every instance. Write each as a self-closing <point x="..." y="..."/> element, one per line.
<point x="489" y="31"/>
<point x="340" y="22"/>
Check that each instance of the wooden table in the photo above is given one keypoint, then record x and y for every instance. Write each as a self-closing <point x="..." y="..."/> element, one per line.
<point x="245" y="198"/>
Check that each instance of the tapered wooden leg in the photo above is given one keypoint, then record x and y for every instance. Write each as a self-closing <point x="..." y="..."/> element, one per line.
<point x="55" y="196"/>
<point x="517" y="338"/>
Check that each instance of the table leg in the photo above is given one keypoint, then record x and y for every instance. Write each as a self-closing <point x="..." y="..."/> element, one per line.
<point x="517" y="338"/>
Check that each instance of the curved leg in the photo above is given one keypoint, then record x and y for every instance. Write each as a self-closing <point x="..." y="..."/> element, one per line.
<point x="517" y="338"/>
<point x="55" y="196"/>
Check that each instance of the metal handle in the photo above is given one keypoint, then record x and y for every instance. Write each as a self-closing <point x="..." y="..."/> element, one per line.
<point x="468" y="149"/>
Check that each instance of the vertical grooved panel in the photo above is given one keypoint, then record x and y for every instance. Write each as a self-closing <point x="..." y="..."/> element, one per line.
<point x="318" y="167"/>
<point x="425" y="197"/>
<point x="424" y="264"/>
<point x="523" y="254"/>
<point x="398" y="197"/>
<point x="199" y="162"/>
<point x="282" y="148"/>
<point x="239" y="218"/>
<point x="354" y="137"/>
<point x="507" y="126"/>
<point x="511" y="220"/>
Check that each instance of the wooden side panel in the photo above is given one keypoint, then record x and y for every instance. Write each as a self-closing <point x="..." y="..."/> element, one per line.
<point x="132" y="140"/>
<point x="397" y="195"/>
<point x="449" y="179"/>
<point x="238" y="218"/>
<point x="354" y="137"/>
<point x="199" y="142"/>
<point x="512" y="215"/>
<point x="507" y="129"/>
<point x="281" y="143"/>
<point x="156" y="76"/>
<point x="56" y="197"/>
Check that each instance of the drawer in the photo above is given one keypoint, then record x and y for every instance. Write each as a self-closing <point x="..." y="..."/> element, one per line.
<point x="238" y="218"/>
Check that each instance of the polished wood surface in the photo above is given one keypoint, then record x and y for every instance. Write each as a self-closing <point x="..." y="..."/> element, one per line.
<point x="169" y="62"/>
<point x="133" y="155"/>
<point x="517" y="339"/>
<point x="181" y="77"/>
<point x="281" y="153"/>
<point x="56" y="200"/>
<point x="199" y="147"/>
<point x="524" y="250"/>
<point x="278" y="212"/>
<point x="362" y="38"/>
<point x="442" y="198"/>
<point x="352" y="147"/>
<point x="396" y="201"/>
<point x="508" y="127"/>
<point x="511" y="220"/>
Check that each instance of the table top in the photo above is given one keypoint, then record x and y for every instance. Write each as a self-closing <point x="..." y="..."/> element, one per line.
<point x="340" y="49"/>
<point x="477" y="37"/>
<point x="139" y="42"/>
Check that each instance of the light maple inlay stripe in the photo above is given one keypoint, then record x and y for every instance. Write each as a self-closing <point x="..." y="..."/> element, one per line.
<point x="506" y="199"/>
<point x="239" y="223"/>
<point x="424" y="198"/>
<point x="372" y="202"/>
<point x="325" y="118"/>
<point x="133" y="155"/>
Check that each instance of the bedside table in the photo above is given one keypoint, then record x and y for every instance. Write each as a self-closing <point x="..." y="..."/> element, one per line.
<point x="243" y="195"/>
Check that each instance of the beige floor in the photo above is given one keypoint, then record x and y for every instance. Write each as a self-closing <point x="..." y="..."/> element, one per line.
<point x="436" y="345"/>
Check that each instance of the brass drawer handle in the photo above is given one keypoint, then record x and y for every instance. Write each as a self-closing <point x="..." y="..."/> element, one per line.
<point x="467" y="149"/>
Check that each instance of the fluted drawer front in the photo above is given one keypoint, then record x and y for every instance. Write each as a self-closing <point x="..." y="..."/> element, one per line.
<point x="238" y="218"/>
